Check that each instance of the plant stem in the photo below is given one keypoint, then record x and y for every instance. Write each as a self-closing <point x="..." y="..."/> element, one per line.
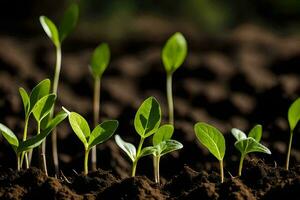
<point x="86" y="161"/>
<point x="289" y="151"/>
<point x="18" y="162"/>
<point x="156" y="160"/>
<point x="96" y="107"/>
<point x="170" y="98"/>
<point x="241" y="164"/>
<point x="54" y="90"/>
<point x="42" y="153"/>
<point x="134" y="164"/>
<point x="221" y="171"/>
<point x="24" y="138"/>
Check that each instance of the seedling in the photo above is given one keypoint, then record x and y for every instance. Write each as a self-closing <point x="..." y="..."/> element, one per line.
<point x="173" y="55"/>
<point x="99" y="63"/>
<point x="25" y="145"/>
<point x="146" y="122"/>
<point x="213" y="140"/>
<point x="100" y="134"/>
<point x="293" y="118"/>
<point x="248" y="144"/>
<point x="57" y="36"/>
<point x="163" y="144"/>
<point x="29" y="101"/>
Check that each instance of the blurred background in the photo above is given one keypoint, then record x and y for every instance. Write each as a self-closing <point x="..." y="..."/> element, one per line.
<point x="242" y="69"/>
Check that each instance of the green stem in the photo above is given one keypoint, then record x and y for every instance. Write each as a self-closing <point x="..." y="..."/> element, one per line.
<point x="156" y="161"/>
<point x="18" y="162"/>
<point x="86" y="161"/>
<point x="170" y="98"/>
<point x="54" y="90"/>
<point x="241" y="164"/>
<point x="134" y="164"/>
<point x="24" y="138"/>
<point x="289" y="151"/>
<point x="221" y="171"/>
<point x="96" y="107"/>
<point x="42" y="149"/>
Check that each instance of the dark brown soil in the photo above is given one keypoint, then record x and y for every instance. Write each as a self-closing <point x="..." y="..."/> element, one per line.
<point x="245" y="77"/>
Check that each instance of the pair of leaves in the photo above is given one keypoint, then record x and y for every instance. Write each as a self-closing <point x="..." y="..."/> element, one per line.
<point x="147" y="118"/>
<point x="294" y="114"/>
<point x="100" y="134"/>
<point x="21" y="146"/>
<point x="68" y="23"/>
<point x="211" y="138"/>
<point x="251" y="143"/>
<point x="100" y="60"/>
<point x="174" y="52"/>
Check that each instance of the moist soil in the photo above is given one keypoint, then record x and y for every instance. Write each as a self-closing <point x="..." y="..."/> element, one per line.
<point x="238" y="79"/>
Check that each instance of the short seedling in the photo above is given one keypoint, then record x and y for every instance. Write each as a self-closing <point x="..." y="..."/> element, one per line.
<point x="248" y="144"/>
<point x="163" y="144"/>
<point x="293" y="117"/>
<point x="213" y="140"/>
<point x="57" y="36"/>
<point x="173" y="55"/>
<point x="23" y="146"/>
<point x="99" y="63"/>
<point x="100" y="134"/>
<point x="146" y="123"/>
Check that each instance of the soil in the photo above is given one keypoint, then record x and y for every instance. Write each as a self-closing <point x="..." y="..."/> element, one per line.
<point x="238" y="79"/>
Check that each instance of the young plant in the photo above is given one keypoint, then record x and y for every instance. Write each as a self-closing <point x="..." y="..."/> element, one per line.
<point x="173" y="55"/>
<point x="146" y="122"/>
<point x="25" y="145"/>
<point x="248" y="144"/>
<point x="293" y="117"/>
<point x="99" y="63"/>
<point x="213" y="140"/>
<point x="29" y="101"/>
<point x="163" y="144"/>
<point x="100" y="134"/>
<point x="57" y="36"/>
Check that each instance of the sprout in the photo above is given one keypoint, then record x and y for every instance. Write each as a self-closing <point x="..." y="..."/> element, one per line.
<point x="248" y="144"/>
<point x="163" y="144"/>
<point x="101" y="133"/>
<point x="99" y="63"/>
<point x="57" y="36"/>
<point x="24" y="146"/>
<point x="293" y="117"/>
<point x="146" y="123"/>
<point x="173" y="55"/>
<point x="213" y="140"/>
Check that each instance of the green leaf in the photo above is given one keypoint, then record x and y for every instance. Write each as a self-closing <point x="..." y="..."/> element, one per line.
<point x="103" y="132"/>
<point x="249" y="145"/>
<point x="164" y="133"/>
<point x="40" y="90"/>
<point x="211" y="138"/>
<point x="147" y="151"/>
<point x="238" y="134"/>
<point x="174" y="52"/>
<point x="25" y="100"/>
<point x="147" y="118"/>
<point x="43" y="107"/>
<point x="127" y="147"/>
<point x="100" y="60"/>
<point x="294" y="114"/>
<point x="80" y="127"/>
<point x="50" y="29"/>
<point x="169" y="146"/>
<point x="256" y="132"/>
<point x="39" y="138"/>
<point x="69" y="21"/>
<point x="9" y="136"/>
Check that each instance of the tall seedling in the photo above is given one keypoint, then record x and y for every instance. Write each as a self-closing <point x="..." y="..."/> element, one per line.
<point x="173" y="55"/>
<point x="213" y="140"/>
<point x="293" y="117"/>
<point x="57" y="36"/>
<point x="146" y="122"/>
<point x="99" y="63"/>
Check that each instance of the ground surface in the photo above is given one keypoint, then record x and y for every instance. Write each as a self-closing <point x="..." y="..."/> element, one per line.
<point x="245" y="77"/>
